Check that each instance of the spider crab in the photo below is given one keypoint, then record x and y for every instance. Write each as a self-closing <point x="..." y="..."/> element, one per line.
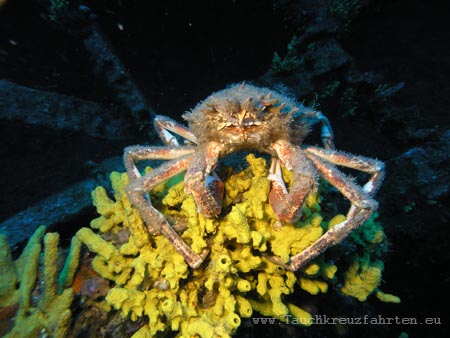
<point x="245" y="117"/>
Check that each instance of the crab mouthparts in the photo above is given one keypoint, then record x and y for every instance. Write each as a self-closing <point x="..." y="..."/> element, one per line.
<point x="241" y="120"/>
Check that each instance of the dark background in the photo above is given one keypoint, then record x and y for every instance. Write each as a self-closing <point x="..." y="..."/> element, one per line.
<point x="178" y="52"/>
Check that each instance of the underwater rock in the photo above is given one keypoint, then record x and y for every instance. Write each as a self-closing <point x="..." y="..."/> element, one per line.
<point x="60" y="208"/>
<point x="81" y="22"/>
<point x="422" y="171"/>
<point x="59" y="112"/>
<point x="95" y="288"/>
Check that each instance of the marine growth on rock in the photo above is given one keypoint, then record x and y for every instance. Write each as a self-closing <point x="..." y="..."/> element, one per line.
<point x="153" y="281"/>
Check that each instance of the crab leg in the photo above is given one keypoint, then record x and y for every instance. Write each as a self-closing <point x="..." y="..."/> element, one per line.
<point x="326" y="134"/>
<point x="287" y="205"/>
<point x="361" y="163"/>
<point x="139" y="153"/>
<point x="362" y="204"/>
<point x="154" y="220"/>
<point x="165" y="126"/>
<point x="203" y="183"/>
<point x="364" y="164"/>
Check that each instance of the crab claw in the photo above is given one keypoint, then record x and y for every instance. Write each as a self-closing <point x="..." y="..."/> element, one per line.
<point x="287" y="205"/>
<point x="284" y="211"/>
<point x="207" y="193"/>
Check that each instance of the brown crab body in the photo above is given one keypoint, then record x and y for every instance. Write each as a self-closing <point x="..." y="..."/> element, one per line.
<point x="244" y="117"/>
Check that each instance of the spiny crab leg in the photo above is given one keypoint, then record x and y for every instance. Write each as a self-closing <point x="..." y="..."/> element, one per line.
<point x="368" y="165"/>
<point x="361" y="163"/>
<point x="203" y="183"/>
<point x="153" y="218"/>
<point x="362" y="204"/>
<point x="164" y="126"/>
<point x="182" y="158"/>
<point x="326" y="134"/>
<point x="139" y="153"/>
<point x="287" y="205"/>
